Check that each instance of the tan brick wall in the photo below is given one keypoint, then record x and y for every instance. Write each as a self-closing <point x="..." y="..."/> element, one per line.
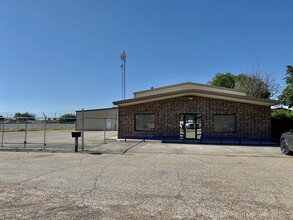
<point x="251" y="120"/>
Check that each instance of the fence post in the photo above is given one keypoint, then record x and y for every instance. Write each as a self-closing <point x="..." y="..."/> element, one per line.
<point x="2" y="138"/>
<point x="105" y="128"/>
<point x="116" y="126"/>
<point x="105" y="124"/>
<point x="25" y="135"/>
<point x="45" y="131"/>
<point x="82" y="131"/>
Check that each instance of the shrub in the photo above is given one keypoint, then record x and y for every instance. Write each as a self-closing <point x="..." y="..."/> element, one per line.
<point x="282" y="121"/>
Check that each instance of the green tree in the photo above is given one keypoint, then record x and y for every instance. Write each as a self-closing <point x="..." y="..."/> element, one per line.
<point x="226" y="80"/>
<point x="67" y="118"/>
<point x="25" y="115"/>
<point x="257" y="82"/>
<point x="1" y="118"/>
<point x="286" y="97"/>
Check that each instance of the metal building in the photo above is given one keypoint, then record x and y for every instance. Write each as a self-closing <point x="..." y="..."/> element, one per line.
<point x="97" y="119"/>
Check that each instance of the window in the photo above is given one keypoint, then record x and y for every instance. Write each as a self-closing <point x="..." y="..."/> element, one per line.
<point x="144" y="122"/>
<point x="224" y="123"/>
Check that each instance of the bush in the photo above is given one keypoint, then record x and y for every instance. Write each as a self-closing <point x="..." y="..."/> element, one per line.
<point x="282" y="121"/>
<point x="67" y="118"/>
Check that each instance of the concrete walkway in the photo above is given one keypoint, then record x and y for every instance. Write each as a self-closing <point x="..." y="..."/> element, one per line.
<point x="156" y="147"/>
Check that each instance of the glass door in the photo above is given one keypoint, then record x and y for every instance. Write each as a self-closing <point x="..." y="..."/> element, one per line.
<point x="190" y="123"/>
<point x="190" y="126"/>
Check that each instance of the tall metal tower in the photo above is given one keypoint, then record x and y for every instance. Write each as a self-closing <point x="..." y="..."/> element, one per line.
<point x="123" y="70"/>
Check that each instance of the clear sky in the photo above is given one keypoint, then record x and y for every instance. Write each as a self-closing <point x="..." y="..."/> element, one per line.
<point x="58" y="56"/>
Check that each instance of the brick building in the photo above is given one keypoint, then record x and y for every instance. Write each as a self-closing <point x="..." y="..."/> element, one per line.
<point x="191" y="110"/>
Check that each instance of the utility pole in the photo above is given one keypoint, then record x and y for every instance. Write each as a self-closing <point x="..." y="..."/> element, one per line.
<point x="123" y="70"/>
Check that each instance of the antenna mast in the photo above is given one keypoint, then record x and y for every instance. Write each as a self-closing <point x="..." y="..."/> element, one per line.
<point x="123" y="70"/>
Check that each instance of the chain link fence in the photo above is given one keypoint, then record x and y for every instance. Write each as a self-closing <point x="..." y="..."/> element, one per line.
<point x="43" y="133"/>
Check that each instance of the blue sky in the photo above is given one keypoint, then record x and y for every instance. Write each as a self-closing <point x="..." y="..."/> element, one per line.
<point x="58" y="56"/>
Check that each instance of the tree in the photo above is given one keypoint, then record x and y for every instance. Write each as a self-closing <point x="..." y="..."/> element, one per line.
<point x="223" y="80"/>
<point x="1" y="118"/>
<point x="265" y="84"/>
<point x="25" y="116"/>
<point x="67" y="118"/>
<point x="257" y="82"/>
<point x="286" y="97"/>
<point x="252" y="85"/>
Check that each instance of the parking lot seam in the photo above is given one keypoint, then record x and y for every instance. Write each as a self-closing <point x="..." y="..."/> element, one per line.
<point x="131" y="147"/>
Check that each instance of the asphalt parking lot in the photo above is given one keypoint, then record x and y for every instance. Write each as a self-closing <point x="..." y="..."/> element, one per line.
<point x="59" y="140"/>
<point x="148" y="180"/>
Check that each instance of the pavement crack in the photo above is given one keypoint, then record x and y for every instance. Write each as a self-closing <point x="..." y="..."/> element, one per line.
<point x="43" y="174"/>
<point x="93" y="188"/>
<point x="180" y="194"/>
<point x="131" y="147"/>
<point x="52" y="171"/>
<point x="80" y="161"/>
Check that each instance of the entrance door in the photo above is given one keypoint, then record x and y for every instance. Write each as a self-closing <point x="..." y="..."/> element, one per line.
<point x="109" y="124"/>
<point x="190" y="126"/>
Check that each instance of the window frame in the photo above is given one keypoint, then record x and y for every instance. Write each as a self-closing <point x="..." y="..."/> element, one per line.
<point x="139" y="130"/>
<point x="223" y="132"/>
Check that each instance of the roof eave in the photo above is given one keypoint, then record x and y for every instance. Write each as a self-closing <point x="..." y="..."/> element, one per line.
<point x="235" y="98"/>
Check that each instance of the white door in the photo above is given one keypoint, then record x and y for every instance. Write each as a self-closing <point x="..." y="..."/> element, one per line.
<point x="109" y="124"/>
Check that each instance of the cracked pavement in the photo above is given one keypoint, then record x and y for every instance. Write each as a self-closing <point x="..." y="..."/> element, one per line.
<point x="42" y="185"/>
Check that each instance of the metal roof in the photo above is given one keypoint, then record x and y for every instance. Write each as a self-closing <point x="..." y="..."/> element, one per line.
<point x="193" y="89"/>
